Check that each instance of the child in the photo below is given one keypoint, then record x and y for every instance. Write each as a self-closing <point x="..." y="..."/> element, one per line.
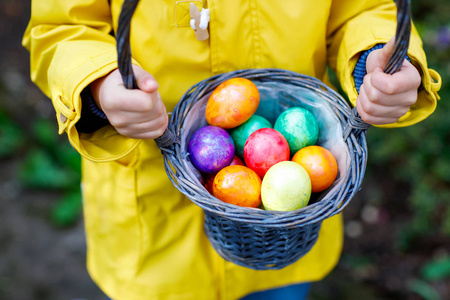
<point x="146" y="240"/>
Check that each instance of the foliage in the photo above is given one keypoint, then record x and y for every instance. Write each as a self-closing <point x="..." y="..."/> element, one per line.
<point x="48" y="163"/>
<point x="40" y="170"/>
<point x="54" y="164"/>
<point x="436" y="269"/>
<point x="66" y="211"/>
<point x="425" y="290"/>
<point x="11" y="136"/>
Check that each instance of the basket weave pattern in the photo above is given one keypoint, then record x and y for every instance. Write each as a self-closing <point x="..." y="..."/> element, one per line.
<point x="259" y="247"/>
<point x="256" y="238"/>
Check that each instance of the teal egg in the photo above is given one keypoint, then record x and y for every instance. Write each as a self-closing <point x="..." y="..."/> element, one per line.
<point x="299" y="126"/>
<point x="241" y="133"/>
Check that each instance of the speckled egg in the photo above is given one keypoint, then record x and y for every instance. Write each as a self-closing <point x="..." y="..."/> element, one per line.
<point x="211" y="148"/>
<point x="264" y="148"/>
<point x="232" y="103"/>
<point x="285" y="187"/>
<point x="299" y="126"/>
<point x="238" y="185"/>
<point x="320" y="164"/>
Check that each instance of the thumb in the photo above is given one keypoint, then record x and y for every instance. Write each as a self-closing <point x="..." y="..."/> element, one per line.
<point x="145" y="80"/>
<point x="379" y="58"/>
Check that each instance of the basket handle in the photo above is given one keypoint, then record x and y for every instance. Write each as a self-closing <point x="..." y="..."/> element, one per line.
<point x="395" y="60"/>
<point x="402" y="36"/>
<point x="124" y="62"/>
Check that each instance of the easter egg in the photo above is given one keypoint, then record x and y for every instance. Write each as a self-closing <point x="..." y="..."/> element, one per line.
<point x="208" y="180"/>
<point x="232" y="103"/>
<point x="320" y="164"/>
<point x="241" y="133"/>
<point x="238" y="185"/>
<point x="285" y="187"/>
<point x="264" y="148"/>
<point x="237" y="161"/>
<point x="299" y="126"/>
<point x="211" y="148"/>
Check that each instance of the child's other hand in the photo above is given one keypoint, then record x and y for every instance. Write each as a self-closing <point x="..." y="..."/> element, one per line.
<point x="138" y="113"/>
<point x="384" y="98"/>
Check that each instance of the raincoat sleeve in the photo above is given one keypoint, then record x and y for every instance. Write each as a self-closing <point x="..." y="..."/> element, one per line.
<point x="70" y="46"/>
<point x="356" y="26"/>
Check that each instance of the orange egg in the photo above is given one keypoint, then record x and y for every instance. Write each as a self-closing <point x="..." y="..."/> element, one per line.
<point x="232" y="103"/>
<point x="320" y="165"/>
<point x="209" y="178"/>
<point x="238" y="185"/>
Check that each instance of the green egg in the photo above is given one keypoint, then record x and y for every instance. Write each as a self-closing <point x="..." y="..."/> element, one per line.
<point x="241" y="133"/>
<point x="299" y="126"/>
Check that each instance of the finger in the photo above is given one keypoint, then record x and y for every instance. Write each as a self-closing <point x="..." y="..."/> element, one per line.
<point x="123" y="118"/>
<point x="131" y="101"/>
<point x="146" y="130"/>
<point x="379" y="58"/>
<point x="371" y="109"/>
<point x="374" y="120"/>
<point x="142" y="135"/>
<point x="387" y="50"/>
<point x="159" y="123"/>
<point x="145" y="80"/>
<point x="147" y="135"/>
<point x="382" y="92"/>
<point x="407" y="79"/>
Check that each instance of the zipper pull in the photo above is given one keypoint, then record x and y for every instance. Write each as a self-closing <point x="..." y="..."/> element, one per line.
<point x="199" y="21"/>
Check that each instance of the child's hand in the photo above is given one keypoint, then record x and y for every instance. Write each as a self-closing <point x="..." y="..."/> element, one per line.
<point x="384" y="98"/>
<point x="138" y="113"/>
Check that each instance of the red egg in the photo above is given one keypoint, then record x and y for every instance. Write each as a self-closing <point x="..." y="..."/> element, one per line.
<point x="208" y="181"/>
<point x="264" y="148"/>
<point x="237" y="161"/>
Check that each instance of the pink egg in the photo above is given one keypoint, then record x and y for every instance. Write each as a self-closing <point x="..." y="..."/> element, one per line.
<point x="264" y="148"/>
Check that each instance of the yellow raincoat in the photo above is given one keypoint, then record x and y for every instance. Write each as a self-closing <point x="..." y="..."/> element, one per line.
<point x="145" y="240"/>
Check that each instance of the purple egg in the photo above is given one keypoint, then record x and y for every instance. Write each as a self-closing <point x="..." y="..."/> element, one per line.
<point x="211" y="148"/>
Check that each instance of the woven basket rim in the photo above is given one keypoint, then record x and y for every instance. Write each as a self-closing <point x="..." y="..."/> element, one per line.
<point x="332" y="203"/>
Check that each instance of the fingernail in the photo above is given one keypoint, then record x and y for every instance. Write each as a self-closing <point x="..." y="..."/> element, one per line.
<point x="149" y="84"/>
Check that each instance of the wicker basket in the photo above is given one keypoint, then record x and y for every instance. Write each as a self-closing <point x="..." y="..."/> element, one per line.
<point x="256" y="238"/>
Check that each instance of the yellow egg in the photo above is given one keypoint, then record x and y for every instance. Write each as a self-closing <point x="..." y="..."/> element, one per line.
<point x="285" y="187"/>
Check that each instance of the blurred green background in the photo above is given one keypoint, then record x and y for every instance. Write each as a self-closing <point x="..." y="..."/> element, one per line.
<point x="397" y="228"/>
